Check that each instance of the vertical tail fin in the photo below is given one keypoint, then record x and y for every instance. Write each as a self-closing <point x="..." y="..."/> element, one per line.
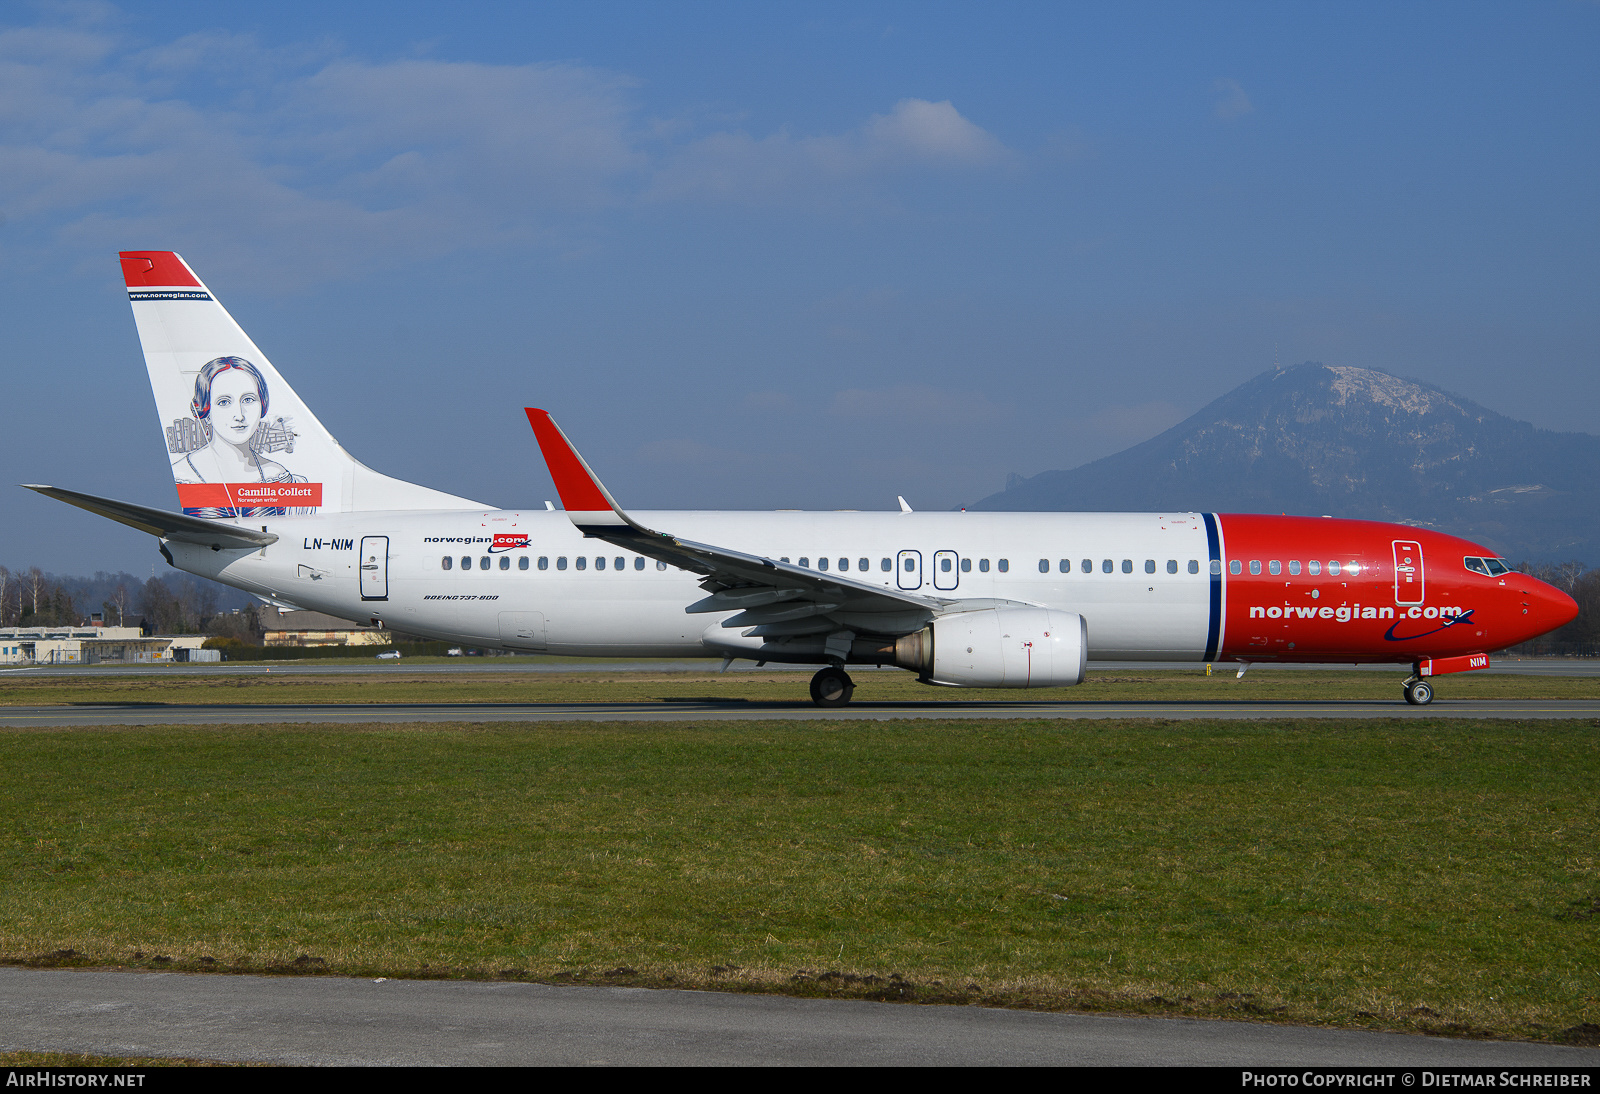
<point x="241" y="442"/>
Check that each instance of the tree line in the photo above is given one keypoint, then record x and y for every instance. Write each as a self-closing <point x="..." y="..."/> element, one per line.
<point x="1581" y="637"/>
<point x="179" y="604"/>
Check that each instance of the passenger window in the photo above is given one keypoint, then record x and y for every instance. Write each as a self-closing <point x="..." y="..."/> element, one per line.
<point x="483" y="563"/>
<point x="1065" y="565"/>
<point x="966" y="565"/>
<point x="1108" y="566"/>
<point x="446" y="562"/>
<point x="522" y="562"/>
<point x="1088" y="565"/>
<point x="885" y="565"/>
<point x="638" y="562"/>
<point x="983" y="565"/>
<point x="944" y="565"/>
<point x="1274" y="567"/>
<point x="1313" y="567"/>
<point x="1216" y="566"/>
<point x="1044" y="565"/>
<point x="1294" y="566"/>
<point x="863" y="564"/>
<point x="1352" y="568"/>
<point x="1333" y="569"/>
<point x="505" y="562"/>
<point x="619" y="563"/>
<point x="911" y="564"/>
<point x="1255" y="566"/>
<point x="844" y="565"/>
<point x="544" y="562"/>
<point x="1172" y="565"/>
<point x="661" y="565"/>
<point x="805" y="560"/>
<point x="822" y="564"/>
<point x="582" y="562"/>
<point x="1150" y="566"/>
<point x="466" y="562"/>
<point x="561" y="562"/>
<point x="1194" y="566"/>
<point x="1005" y="565"/>
<point x="1127" y="565"/>
<point x="1233" y="567"/>
<point x="785" y="558"/>
<point x="599" y="562"/>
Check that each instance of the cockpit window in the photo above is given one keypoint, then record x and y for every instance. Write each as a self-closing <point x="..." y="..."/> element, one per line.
<point x="1492" y="567"/>
<point x="1477" y="565"/>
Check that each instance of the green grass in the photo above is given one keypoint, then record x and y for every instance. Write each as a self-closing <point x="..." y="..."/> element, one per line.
<point x="1427" y="875"/>
<point x="22" y="1059"/>
<point x="259" y="686"/>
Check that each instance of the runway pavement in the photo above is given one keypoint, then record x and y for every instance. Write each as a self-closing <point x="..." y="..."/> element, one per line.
<point x="336" y="1021"/>
<point x="702" y="710"/>
<point x="1532" y="666"/>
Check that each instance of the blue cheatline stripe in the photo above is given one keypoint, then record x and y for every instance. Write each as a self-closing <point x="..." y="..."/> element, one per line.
<point x="1214" y="546"/>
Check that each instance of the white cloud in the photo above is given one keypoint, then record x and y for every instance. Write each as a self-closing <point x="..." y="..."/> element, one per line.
<point x="1231" y="101"/>
<point x="312" y="163"/>
<point x="916" y="134"/>
<point x="534" y="134"/>
<point x="933" y="132"/>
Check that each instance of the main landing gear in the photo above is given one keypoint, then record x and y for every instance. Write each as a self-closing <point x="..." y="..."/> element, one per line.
<point x="1419" y="693"/>
<point x="832" y="687"/>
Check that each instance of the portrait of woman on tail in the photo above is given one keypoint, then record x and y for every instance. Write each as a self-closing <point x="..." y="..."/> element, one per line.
<point x="230" y="403"/>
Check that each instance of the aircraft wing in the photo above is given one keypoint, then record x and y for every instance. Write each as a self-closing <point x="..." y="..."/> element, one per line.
<point x="159" y="522"/>
<point x="775" y="597"/>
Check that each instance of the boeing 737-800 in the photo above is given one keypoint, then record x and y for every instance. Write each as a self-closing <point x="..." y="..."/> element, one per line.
<point x="273" y="505"/>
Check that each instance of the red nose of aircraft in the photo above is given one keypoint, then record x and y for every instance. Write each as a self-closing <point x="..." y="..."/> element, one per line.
<point x="1544" y="607"/>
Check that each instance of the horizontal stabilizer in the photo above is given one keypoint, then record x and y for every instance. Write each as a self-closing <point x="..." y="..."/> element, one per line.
<point x="158" y="522"/>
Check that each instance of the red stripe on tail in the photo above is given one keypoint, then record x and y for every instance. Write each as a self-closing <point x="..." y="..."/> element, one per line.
<point x="159" y="269"/>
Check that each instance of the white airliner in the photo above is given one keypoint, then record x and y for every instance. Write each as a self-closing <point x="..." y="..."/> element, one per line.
<point x="273" y="505"/>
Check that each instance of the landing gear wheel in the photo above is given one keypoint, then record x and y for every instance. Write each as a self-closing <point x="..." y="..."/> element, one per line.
<point x="832" y="687"/>
<point x="1419" y="693"/>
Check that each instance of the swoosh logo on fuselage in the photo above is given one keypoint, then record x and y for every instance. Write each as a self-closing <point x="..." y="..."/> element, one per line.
<point x="1446" y="624"/>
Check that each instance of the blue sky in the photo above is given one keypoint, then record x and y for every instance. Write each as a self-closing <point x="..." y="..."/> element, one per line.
<point x="784" y="255"/>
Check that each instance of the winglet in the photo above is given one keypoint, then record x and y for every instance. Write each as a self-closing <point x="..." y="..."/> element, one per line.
<point x="585" y="499"/>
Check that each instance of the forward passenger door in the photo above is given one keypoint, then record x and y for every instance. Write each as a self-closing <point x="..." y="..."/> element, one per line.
<point x="1409" y="587"/>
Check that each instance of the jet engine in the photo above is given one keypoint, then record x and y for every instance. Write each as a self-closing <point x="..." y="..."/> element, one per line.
<point x="999" y="648"/>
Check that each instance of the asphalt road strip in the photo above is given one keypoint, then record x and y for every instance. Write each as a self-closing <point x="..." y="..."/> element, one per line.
<point x="324" y="1020"/>
<point x="146" y="714"/>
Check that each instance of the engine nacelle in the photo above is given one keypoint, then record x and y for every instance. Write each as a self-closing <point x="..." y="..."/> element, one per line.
<point x="999" y="648"/>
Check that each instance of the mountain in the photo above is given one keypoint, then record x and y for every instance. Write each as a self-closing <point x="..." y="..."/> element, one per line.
<point x="1351" y="442"/>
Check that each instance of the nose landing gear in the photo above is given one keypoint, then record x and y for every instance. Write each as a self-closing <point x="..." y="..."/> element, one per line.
<point x="1419" y="693"/>
<point x="832" y="687"/>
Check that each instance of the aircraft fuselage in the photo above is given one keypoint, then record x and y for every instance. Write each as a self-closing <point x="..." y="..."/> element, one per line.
<point x="1149" y="586"/>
